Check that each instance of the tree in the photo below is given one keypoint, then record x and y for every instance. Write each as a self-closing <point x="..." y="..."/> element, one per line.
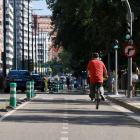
<point x="87" y="26"/>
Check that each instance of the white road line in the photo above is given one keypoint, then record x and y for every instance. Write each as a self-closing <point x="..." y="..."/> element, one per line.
<point x="47" y="98"/>
<point x="64" y="138"/>
<point x="64" y="127"/>
<point x="65" y="114"/>
<point x="63" y="132"/>
<point x="9" y="113"/>
<point x="65" y="123"/>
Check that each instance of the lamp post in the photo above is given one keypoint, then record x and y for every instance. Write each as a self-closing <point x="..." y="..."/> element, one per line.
<point x="129" y="85"/>
<point x="4" y="33"/>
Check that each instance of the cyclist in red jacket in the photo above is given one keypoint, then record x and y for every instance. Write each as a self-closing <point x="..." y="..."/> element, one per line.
<point x="95" y="70"/>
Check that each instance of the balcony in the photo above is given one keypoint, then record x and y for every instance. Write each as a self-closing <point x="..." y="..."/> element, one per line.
<point x="9" y="63"/>
<point x="9" y="49"/>
<point x="10" y="35"/>
<point x="11" y="22"/>
<point x="9" y="55"/>
<point x="9" y="41"/>
<point x="9" y="27"/>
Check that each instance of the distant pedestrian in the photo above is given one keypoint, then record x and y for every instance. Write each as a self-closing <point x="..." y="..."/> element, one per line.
<point x="68" y="82"/>
<point x="119" y="77"/>
<point x="135" y="78"/>
<point x="111" y="80"/>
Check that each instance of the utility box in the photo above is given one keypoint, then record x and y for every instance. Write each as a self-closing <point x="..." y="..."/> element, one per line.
<point x="124" y="81"/>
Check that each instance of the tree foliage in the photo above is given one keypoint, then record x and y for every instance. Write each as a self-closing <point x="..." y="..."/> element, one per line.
<point x="87" y="26"/>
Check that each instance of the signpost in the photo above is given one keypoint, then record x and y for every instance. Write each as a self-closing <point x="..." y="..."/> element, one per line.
<point x="129" y="50"/>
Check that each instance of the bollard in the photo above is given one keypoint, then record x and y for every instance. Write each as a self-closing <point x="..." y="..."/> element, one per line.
<point x="32" y="89"/>
<point x="13" y="94"/>
<point x="28" y="90"/>
<point x="54" y="86"/>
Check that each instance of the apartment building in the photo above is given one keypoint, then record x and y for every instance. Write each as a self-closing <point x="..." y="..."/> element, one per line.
<point x="43" y="24"/>
<point x="41" y="45"/>
<point x="9" y="37"/>
<point x="1" y="32"/>
<point x="22" y="37"/>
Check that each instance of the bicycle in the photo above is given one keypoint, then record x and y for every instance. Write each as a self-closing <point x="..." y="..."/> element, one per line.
<point x="97" y="96"/>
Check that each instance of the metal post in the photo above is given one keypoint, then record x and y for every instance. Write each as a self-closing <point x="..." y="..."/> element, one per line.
<point x="109" y="70"/>
<point x="38" y="49"/>
<point x="35" y="51"/>
<point x="28" y="35"/>
<point x="45" y="54"/>
<point x="116" y="81"/>
<point x="22" y="34"/>
<point x="32" y="46"/>
<point x="129" y="87"/>
<point x="15" y="38"/>
<point x="4" y="33"/>
<point x="41" y="51"/>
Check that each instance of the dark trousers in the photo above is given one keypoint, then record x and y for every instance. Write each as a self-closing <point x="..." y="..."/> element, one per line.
<point x="92" y="89"/>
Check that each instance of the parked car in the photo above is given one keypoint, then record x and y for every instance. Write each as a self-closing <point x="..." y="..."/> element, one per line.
<point x="39" y="84"/>
<point x="17" y="76"/>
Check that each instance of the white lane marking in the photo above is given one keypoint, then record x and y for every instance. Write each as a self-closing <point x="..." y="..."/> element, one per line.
<point x="65" y="114"/>
<point x="47" y="98"/>
<point x="124" y="110"/>
<point x="65" y="117"/>
<point x="6" y="115"/>
<point x="64" y="127"/>
<point x="70" y="99"/>
<point x="64" y="138"/>
<point x="63" y="132"/>
<point x="65" y="123"/>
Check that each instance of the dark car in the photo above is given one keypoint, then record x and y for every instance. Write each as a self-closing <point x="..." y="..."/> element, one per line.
<point x="17" y="76"/>
<point x="39" y="84"/>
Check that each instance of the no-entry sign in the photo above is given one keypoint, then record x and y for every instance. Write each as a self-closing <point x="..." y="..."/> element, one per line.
<point x="129" y="50"/>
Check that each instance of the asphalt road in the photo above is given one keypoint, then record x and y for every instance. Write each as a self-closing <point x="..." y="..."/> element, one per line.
<point x="67" y="116"/>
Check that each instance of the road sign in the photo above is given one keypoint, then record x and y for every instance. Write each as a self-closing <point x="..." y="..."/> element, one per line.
<point x="129" y="50"/>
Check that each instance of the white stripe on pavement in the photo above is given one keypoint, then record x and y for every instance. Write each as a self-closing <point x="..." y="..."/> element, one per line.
<point x="6" y="115"/>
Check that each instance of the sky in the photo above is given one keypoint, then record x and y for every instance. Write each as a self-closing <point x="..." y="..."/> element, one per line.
<point x="41" y="5"/>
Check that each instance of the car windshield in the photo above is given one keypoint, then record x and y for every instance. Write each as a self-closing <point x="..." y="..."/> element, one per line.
<point x="25" y="73"/>
<point x="36" y="77"/>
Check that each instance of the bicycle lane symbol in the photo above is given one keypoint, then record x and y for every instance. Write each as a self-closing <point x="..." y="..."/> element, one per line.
<point x="129" y="50"/>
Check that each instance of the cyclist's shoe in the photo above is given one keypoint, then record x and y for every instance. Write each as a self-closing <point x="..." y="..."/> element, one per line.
<point x="92" y="100"/>
<point x="102" y="97"/>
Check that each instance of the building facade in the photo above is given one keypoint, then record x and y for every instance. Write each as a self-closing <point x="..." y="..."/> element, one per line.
<point x="9" y="37"/>
<point x="1" y="32"/>
<point x="43" y="24"/>
<point x="22" y="29"/>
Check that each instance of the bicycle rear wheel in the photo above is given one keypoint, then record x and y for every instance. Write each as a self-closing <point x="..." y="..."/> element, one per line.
<point x="97" y="103"/>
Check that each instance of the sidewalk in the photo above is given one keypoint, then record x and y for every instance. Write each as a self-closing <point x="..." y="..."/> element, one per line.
<point x="132" y="104"/>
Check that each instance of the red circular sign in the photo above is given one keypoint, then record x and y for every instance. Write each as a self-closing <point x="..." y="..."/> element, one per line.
<point x="129" y="50"/>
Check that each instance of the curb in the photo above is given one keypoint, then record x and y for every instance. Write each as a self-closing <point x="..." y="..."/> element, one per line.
<point x="124" y="104"/>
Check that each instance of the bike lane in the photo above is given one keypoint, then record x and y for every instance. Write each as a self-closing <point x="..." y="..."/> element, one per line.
<point x="67" y="116"/>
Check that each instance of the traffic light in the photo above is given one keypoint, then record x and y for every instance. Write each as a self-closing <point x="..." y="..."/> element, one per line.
<point x="100" y="55"/>
<point x="127" y="31"/>
<point x="115" y="43"/>
<point x="31" y="65"/>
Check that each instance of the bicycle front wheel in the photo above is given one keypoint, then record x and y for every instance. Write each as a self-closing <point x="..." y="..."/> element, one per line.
<point x="97" y="103"/>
